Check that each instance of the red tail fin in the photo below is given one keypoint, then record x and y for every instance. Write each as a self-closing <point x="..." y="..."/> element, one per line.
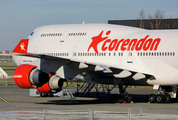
<point x="21" y="47"/>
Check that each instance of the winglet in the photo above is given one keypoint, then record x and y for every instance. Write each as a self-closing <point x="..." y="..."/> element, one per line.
<point x="21" y="47"/>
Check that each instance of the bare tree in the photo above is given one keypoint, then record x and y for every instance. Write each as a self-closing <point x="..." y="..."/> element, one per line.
<point x="151" y="20"/>
<point x="173" y="27"/>
<point x="170" y="24"/>
<point x="141" y="17"/>
<point x="158" y="16"/>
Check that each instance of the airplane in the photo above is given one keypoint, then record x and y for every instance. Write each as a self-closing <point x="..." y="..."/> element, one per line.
<point x="99" y="53"/>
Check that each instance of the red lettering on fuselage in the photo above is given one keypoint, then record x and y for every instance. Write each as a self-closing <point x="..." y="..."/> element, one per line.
<point x="144" y="43"/>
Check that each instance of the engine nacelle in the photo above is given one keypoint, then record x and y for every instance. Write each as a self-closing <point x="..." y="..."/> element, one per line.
<point x="55" y="84"/>
<point x="28" y="76"/>
<point x="44" y="89"/>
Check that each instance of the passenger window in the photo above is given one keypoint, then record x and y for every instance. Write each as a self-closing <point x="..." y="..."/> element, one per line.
<point x="162" y="54"/>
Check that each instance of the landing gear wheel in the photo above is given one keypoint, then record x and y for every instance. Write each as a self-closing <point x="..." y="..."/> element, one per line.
<point x="160" y="98"/>
<point x="129" y="98"/>
<point x="114" y="98"/>
<point x="120" y="99"/>
<point x="167" y="98"/>
<point x="43" y="95"/>
<point x="50" y="95"/>
<point x="152" y="98"/>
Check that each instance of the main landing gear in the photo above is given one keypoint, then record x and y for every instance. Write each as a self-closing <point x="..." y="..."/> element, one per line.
<point x="165" y="95"/>
<point x="123" y="96"/>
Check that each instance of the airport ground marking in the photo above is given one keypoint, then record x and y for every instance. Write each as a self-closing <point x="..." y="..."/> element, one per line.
<point x="8" y="102"/>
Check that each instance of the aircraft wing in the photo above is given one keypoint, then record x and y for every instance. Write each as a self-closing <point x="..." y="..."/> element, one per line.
<point x="111" y="71"/>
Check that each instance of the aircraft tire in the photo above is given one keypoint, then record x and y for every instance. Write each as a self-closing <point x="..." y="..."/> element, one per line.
<point x="50" y="95"/>
<point x="167" y="98"/>
<point x="43" y="95"/>
<point x="152" y="98"/>
<point x="160" y="98"/>
<point x="129" y="98"/>
<point x="120" y="99"/>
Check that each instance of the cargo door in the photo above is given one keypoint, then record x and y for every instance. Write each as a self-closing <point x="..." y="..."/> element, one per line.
<point x="65" y="33"/>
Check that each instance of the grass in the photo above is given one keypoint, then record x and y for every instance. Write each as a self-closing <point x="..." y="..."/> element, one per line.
<point x="10" y="67"/>
<point x="7" y="63"/>
<point x="10" y="72"/>
<point x="10" y="81"/>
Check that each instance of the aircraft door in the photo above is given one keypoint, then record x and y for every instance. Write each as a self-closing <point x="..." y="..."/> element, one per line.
<point x="129" y="57"/>
<point x="65" y="33"/>
<point x="74" y="52"/>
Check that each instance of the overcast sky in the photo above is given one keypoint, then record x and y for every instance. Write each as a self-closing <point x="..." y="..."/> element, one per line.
<point x="18" y="18"/>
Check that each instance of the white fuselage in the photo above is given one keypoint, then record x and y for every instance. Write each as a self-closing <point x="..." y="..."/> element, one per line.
<point x="115" y="49"/>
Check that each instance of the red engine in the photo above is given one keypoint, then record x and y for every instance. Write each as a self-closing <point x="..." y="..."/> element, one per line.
<point x="28" y="76"/>
<point x="54" y="85"/>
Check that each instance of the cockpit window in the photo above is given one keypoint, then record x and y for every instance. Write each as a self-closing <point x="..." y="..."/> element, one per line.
<point x="31" y="33"/>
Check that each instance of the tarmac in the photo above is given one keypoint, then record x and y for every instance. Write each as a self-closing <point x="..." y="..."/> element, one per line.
<point x="15" y="104"/>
